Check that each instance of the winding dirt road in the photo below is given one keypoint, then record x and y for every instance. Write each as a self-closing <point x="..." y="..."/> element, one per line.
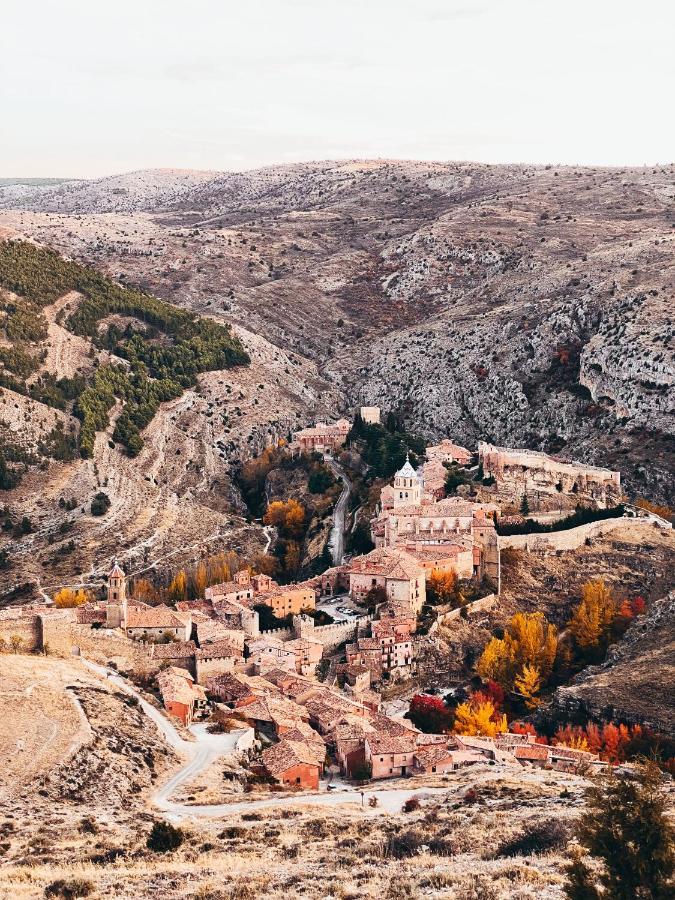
<point x="207" y="747"/>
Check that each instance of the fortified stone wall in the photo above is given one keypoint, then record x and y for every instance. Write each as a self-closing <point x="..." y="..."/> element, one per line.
<point x="572" y="538"/>
<point x="101" y="646"/>
<point x="331" y="636"/>
<point x="476" y="606"/>
<point x="284" y="634"/>
<point x="16" y="623"/>
<point x="529" y="472"/>
<point x="206" y="668"/>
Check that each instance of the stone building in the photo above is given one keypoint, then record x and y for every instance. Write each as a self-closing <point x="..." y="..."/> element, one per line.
<point x="322" y="437"/>
<point x="370" y="414"/>
<point x="538" y="476"/>
<point x="449" y="452"/>
<point x="396" y="572"/>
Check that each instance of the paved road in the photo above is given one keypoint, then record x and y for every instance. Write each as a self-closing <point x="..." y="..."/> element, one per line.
<point x="336" y="541"/>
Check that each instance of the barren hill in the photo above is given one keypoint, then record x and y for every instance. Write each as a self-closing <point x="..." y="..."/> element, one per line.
<point x="525" y="305"/>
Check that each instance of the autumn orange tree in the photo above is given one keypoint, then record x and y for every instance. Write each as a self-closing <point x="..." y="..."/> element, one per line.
<point x="288" y="516"/>
<point x="442" y="588"/>
<point x="145" y="591"/>
<point x="67" y="598"/>
<point x="529" y="642"/>
<point x="178" y="587"/>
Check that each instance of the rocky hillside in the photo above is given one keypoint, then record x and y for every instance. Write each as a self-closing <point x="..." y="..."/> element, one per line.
<point x="121" y="416"/>
<point x="634" y="684"/>
<point x="526" y="305"/>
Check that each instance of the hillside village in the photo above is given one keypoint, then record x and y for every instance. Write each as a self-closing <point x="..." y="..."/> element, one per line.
<point x="308" y="698"/>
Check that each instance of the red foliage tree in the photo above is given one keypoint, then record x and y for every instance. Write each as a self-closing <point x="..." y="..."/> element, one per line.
<point x="430" y="714"/>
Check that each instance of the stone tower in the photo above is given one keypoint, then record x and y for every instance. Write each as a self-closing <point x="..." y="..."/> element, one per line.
<point x="407" y="486"/>
<point x="116" y="608"/>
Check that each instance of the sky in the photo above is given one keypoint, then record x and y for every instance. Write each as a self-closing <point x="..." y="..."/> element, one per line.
<point x="95" y="87"/>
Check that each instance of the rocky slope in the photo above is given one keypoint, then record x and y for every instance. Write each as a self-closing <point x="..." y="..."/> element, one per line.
<point x="525" y="305"/>
<point x="635" y="683"/>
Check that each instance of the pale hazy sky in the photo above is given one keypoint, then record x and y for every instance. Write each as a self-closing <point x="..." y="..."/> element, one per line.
<point x="93" y="87"/>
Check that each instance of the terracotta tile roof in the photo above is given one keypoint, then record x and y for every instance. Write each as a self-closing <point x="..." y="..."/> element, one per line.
<point x="174" y="650"/>
<point x="142" y="616"/>
<point x="531" y="751"/>
<point x="287" y="754"/>
<point x="386" y="562"/>
<point x="176" y="670"/>
<point x="303" y="732"/>
<point x="219" y="650"/>
<point x="431" y="756"/>
<point x="381" y="743"/>
<point x="229" y="687"/>
<point x="278" y="710"/>
<point x="178" y="688"/>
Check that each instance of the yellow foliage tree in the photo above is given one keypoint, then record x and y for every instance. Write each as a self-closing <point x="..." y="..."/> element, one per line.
<point x="529" y="640"/>
<point x="288" y="516"/>
<point x="67" y="598"/>
<point x="178" y="587"/>
<point x="441" y="587"/>
<point x="199" y="580"/>
<point x="145" y="591"/>
<point x="593" y="617"/>
<point x="479" y="719"/>
<point x="528" y="685"/>
<point x="497" y="662"/>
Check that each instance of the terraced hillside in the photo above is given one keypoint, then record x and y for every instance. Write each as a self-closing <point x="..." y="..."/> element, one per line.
<point x="117" y="411"/>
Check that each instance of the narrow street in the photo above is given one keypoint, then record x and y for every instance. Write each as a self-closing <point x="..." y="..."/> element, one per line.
<point x="336" y="541"/>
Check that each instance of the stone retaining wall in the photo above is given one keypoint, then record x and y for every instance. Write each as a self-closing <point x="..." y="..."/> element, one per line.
<point x="573" y="538"/>
<point x="476" y="606"/>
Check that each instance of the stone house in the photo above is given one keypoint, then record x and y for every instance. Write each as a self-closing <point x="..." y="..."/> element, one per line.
<point x="294" y="764"/>
<point x="397" y="573"/>
<point x="390" y="756"/>
<point x="271" y="652"/>
<point x="289" y="601"/>
<point x="155" y="622"/>
<point x="449" y="452"/>
<point x="181" y="697"/>
<point x="307" y="654"/>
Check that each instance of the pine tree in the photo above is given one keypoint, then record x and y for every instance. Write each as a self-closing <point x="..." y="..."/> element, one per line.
<point x="626" y="831"/>
<point x="524" y="506"/>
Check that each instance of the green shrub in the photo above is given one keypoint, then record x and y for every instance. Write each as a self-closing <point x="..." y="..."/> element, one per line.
<point x="100" y="504"/>
<point x="164" y="837"/>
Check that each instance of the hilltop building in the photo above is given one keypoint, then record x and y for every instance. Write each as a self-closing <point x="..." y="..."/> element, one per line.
<point x="538" y="476"/>
<point x="321" y="438"/>
<point x="450" y="534"/>
<point x="370" y="415"/>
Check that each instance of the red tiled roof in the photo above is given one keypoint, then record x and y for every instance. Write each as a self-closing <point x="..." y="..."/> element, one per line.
<point x="142" y="616"/>
<point x="287" y="754"/>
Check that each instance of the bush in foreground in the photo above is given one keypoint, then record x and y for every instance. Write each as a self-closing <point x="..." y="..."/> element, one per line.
<point x="164" y="838"/>
<point x="69" y="888"/>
